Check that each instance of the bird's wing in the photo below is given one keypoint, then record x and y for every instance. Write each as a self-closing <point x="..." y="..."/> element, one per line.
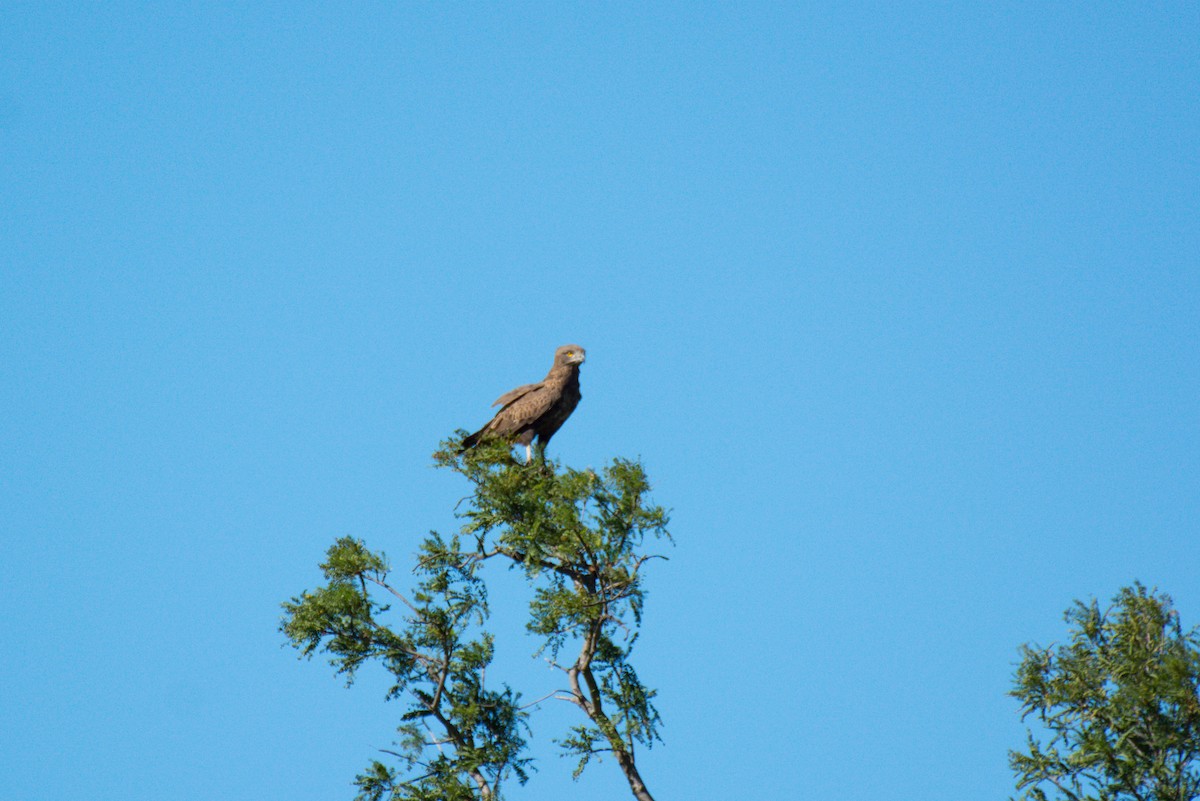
<point x="519" y="407"/>
<point x="524" y="411"/>
<point x="508" y="397"/>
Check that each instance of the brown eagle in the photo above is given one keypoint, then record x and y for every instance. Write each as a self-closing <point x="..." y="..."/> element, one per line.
<point x="536" y="410"/>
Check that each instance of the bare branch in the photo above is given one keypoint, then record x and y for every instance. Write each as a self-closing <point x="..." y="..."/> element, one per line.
<point x="394" y="592"/>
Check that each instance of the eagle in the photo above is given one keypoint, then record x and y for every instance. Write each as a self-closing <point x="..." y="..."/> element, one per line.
<point x="536" y="410"/>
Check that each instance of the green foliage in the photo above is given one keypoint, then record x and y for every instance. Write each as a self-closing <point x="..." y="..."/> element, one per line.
<point x="578" y="535"/>
<point x="1117" y="703"/>
<point x="458" y="739"/>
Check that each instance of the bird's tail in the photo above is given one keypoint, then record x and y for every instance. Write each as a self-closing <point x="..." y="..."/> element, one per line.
<point x="471" y="440"/>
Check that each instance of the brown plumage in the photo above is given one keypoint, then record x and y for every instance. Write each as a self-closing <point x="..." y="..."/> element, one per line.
<point x="536" y="410"/>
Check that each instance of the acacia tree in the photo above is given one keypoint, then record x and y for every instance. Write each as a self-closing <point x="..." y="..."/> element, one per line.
<point x="458" y="739"/>
<point x="1117" y="705"/>
<point x="578" y="537"/>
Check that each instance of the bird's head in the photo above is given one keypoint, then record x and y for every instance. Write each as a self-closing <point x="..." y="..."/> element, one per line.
<point x="569" y="354"/>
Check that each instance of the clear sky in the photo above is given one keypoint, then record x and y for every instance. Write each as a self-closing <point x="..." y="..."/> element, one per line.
<point x="899" y="304"/>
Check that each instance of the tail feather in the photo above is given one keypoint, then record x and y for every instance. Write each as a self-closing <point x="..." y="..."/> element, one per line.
<point x="471" y="440"/>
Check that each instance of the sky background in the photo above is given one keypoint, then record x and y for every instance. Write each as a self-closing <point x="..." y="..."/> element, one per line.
<point x="897" y="302"/>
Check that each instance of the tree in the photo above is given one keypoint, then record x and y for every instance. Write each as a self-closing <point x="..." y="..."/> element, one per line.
<point x="1117" y="705"/>
<point x="578" y="537"/>
<point x="460" y="739"/>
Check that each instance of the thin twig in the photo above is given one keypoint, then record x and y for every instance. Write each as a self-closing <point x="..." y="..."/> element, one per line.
<point x="393" y="591"/>
<point x="550" y="694"/>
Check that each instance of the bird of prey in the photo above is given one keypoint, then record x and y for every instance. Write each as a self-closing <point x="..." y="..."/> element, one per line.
<point x="536" y="410"/>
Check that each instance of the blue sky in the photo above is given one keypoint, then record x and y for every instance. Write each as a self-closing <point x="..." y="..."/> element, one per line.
<point x="898" y="303"/>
